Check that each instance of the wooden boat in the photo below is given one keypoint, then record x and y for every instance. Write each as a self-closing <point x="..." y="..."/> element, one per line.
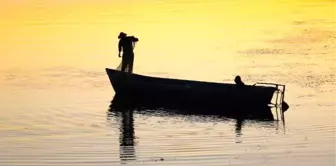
<point x="221" y="98"/>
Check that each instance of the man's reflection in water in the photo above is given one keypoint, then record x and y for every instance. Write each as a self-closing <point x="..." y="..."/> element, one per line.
<point x="127" y="149"/>
<point x="239" y="124"/>
<point x="126" y="138"/>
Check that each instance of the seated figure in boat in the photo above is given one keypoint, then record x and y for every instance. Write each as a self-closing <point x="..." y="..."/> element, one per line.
<point x="126" y="45"/>
<point x="239" y="82"/>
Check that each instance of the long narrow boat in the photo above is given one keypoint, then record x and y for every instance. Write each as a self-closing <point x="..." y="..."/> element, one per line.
<point x="224" y="98"/>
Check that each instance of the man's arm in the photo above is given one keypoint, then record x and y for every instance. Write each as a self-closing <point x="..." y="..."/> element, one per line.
<point x="119" y="48"/>
<point x="134" y="39"/>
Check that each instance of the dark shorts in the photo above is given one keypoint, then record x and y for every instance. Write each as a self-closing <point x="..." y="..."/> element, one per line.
<point x="128" y="57"/>
<point x="127" y="61"/>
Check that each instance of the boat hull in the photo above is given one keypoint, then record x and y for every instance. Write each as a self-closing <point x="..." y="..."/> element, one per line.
<point x="219" y="98"/>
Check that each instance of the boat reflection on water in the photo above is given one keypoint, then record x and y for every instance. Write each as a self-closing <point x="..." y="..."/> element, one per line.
<point x="124" y="109"/>
<point x="237" y="112"/>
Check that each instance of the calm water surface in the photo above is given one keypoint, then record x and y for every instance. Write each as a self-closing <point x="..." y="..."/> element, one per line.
<point x="54" y="111"/>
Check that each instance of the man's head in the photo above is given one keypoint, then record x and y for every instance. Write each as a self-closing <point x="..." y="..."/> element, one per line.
<point x="122" y="35"/>
<point x="237" y="80"/>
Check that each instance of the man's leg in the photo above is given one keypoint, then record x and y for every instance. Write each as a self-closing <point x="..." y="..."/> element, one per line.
<point x="123" y="63"/>
<point x="131" y="60"/>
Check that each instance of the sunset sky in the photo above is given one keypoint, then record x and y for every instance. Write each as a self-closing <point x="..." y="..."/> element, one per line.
<point x="40" y="33"/>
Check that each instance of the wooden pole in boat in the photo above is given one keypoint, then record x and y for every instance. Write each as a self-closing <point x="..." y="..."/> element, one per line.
<point x="282" y="100"/>
<point x="276" y="102"/>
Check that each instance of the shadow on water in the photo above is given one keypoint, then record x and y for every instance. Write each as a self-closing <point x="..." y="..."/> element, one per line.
<point x="124" y="110"/>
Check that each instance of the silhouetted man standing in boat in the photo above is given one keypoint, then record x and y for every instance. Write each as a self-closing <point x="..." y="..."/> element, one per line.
<point x="126" y="44"/>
